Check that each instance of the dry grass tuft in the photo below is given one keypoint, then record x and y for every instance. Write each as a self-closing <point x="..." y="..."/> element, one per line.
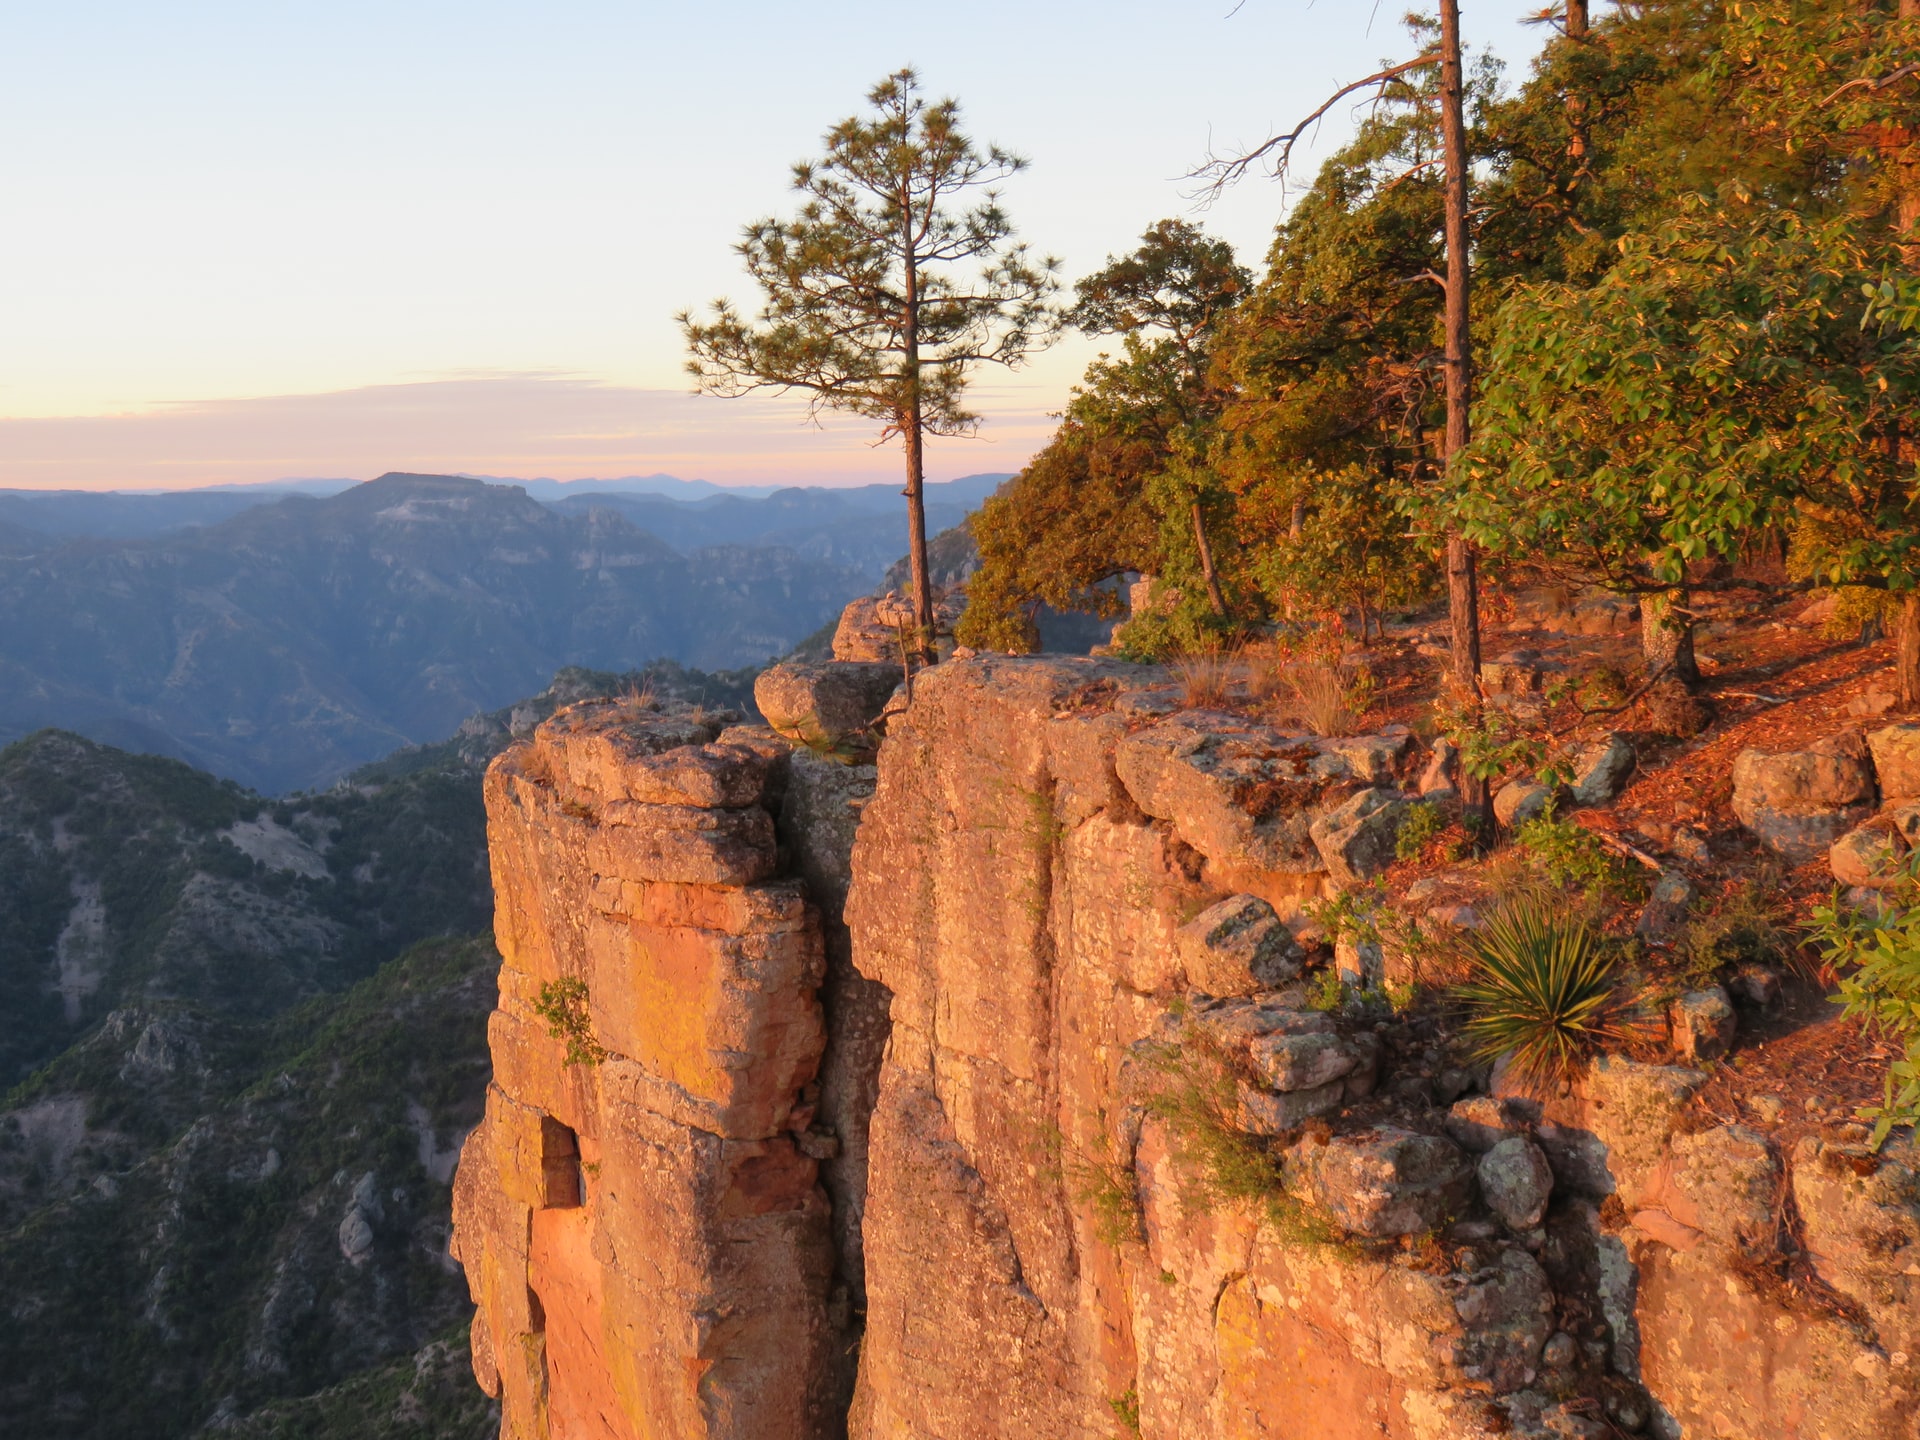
<point x="1206" y="676"/>
<point x="1328" y="697"/>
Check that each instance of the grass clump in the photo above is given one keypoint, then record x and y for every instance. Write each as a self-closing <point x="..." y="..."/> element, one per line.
<point x="1196" y="1094"/>
<point x="1877" y="958"/>
<point x="563" y="1005"/>
<point x="1540" y="987"/>
<point x="1205" y="676"/>
<point x="1329" y="697"/>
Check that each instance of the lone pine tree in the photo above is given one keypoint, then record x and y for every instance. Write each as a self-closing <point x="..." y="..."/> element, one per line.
<point x="896" y="278"/>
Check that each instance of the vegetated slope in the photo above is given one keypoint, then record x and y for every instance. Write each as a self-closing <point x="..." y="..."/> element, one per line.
<point x="137" y="891"/>
<point x="207" y="1048"/>
<point x="294" y="641"/>
<point x="289" y="1241"/>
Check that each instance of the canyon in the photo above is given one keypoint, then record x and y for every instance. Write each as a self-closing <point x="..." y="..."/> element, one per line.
<point x="905" y="1091"/>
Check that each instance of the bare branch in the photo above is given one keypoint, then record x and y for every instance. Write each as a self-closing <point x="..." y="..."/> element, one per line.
<point x="1277" y="150"/>
<point x="1868" y="83"/>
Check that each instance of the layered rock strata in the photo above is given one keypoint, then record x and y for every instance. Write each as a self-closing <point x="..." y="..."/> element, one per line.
<point x="641" y="1214"/>
<point x="996" y="1116"/>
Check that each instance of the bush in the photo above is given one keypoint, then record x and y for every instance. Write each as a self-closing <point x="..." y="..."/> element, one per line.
<point x="1570" y="856"/>
<point x="1420" y="829"/>
<point x="563" y="1005"/>
<point x="1878" y="961"/>
<point x="1541" y="987"/>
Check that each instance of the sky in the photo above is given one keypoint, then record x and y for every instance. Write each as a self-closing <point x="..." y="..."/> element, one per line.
<point x="248" y="242"/>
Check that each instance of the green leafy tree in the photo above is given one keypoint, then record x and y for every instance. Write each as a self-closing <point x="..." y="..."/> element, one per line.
<point x="1095" y="504"/>
<point x="891" y="284"/>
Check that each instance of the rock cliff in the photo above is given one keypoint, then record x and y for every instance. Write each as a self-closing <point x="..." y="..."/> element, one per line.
<point x="1046" y="1132"/>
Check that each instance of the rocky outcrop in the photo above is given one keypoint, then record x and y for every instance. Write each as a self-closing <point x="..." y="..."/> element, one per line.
<point x="640" y="1214"/>
<point x="1047" y="1137"/>
<point x="1799" y="802"/>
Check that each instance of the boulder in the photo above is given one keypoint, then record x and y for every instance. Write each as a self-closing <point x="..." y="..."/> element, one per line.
<point x="1861" y="1216"/>
<point x="1702" y="1024"/>
<point x="1382" y="1182"/>
<point x="1516" y="1181"/>
<point x="1896" y="761"/>
<point x="1865" y="855"/>
<point x="1799" y="802"/>
<point x="1601" y="771"/>
<point x="1666" y="908"/>
<point x="1437" y="780"/>
<point x="1373" y="758"/>
<point x="1519" y="801"/>
<point x="1481" y="1122"/>
<point x="1728" y="1182"/>
<point x="1237" y="947"/>
<point x="1633" y="1108"/>
<point x="825" y="704"/>
<point x="1357" y="840"/>
<point x="1241" y="793"/>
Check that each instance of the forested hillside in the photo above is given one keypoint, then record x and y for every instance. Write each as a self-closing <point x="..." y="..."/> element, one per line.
<point x="1695" y="319"/>
<point x="292" y="642"/>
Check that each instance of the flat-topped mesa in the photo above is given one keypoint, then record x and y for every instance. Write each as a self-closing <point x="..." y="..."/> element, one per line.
<point x="640" y="1213"/>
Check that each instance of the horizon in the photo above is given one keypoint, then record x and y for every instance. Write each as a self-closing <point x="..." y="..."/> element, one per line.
<point x="344" y="242"/>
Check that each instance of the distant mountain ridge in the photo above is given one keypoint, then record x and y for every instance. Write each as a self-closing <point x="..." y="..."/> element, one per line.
<point x="290" y="642"/>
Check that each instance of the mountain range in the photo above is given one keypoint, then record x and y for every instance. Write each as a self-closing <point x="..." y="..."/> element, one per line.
<point x="287" y="643"/>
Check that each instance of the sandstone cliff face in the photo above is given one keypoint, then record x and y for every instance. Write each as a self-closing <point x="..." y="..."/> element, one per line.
<point x="647" y="1236"/>
<point x="941" y="1118"/>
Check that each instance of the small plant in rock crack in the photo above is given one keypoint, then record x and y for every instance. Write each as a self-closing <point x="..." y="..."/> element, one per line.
<point x="1195" y="1093"/>
<point x="563" y="1005"/>
<point x="1126" y="1409"/>
<point x="1540" y="987"/>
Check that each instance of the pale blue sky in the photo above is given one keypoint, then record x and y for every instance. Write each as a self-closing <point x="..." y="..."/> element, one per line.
<point x="213" y="207"/>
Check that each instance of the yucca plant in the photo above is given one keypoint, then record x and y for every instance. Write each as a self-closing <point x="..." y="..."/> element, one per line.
<point x="1540" y="987"/>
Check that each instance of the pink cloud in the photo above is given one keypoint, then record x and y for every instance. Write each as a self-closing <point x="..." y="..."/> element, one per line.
<point x="559" y="426"/>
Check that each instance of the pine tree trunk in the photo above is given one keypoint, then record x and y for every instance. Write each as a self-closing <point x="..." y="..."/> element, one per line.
<point x="1205" y="552"/>
<point x="1577" y="30"/>
<point x="1463" y="584"/>
<point x="1666" y="637"/>
<point x="1906" y="651"/>
<point x="914" y="434"/>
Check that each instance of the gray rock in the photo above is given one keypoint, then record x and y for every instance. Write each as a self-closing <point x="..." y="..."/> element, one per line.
<point x="1382" y="1182"/>
<point x="1303" y="1061"/>
<point x="827" y="703"/>
<point x="1896" y="761"/>
<point x="1482" y="1121"/>
<point x="1601" y="771"/>
<point x="1360" y="963"/>
<point x="1861" y="1215"/>
<point x="1507" y="1309"/>
<point x="1865" y="855"/>
<point x="1357" y="840"/>
<point x="1560" y="1352"/>
<point x="1666" y="909"/>
<point x="1238" y="947"/>
<point x="1578" y="1159"/>
<point x="1516" y="1182"/>
<point x="1799" y="802"/>
<point x="1373" y="758"/>
<point x="1520" y="801"/>
<point x="1732" y="1180"/>
<point x="1270" y="1112"/>
<point x="1437" y="780"/>
<point x="1755" y="984"/>
<point x="1702" y="1024"/>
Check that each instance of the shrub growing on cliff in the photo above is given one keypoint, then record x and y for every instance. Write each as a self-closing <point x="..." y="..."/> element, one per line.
<point x="1541" y="987"/>
<point x="563" y="1005"/>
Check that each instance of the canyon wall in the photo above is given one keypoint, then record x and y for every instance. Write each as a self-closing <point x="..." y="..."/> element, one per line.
<point x="1035" y="1215"/>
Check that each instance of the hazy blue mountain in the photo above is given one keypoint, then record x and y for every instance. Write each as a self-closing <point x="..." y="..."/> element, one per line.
<point x="297" y="639"/>
<point x="863" y="526"/>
